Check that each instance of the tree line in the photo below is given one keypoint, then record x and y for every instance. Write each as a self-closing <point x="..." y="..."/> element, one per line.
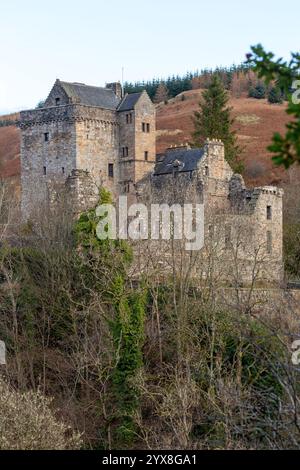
<point x="238" y="79"/>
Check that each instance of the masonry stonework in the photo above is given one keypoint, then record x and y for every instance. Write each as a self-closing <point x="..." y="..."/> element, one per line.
<point x="88" y="137"/>
<point x="86" y="130"/>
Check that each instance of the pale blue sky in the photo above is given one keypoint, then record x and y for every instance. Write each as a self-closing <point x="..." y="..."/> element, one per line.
<point x="89" y="41"/>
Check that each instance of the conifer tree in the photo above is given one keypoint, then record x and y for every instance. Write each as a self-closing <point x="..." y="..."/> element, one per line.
<point x="161" y="93"/>
<point x="213" y="121"/>
<point x="275" y="95"/>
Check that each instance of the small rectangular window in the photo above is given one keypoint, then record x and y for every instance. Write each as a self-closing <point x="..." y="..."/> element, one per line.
<point x="125" y="152"/>
<point x="45" y="170"/>
<point x="146" y="156"/>
<point x="269" y="242"/>
<point x="206" y="171"/>
<point x="269" y="212"/>
<point x="148" y="128"/>
<point x="143" y="127"/>
<point x="111" y="170"/>
<point x="127" y="118"/>
<point x="63" y="170"/>
<point x="46" y="136"/>
<point x="57" y="101"/>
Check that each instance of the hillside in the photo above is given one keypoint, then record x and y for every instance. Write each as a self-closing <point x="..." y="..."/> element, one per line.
<point x="10" y="152"/>
<point x="256" y="121"/>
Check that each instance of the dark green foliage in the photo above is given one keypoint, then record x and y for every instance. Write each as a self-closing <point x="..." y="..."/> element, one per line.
<point x="128" y="334"/>
<point x="286" y="148"/>
<point x="258" y="91"/>
<point x="178" y="84"/>
<point x="8" y="122"/>
<point x="40" y="104"/>
<point x="214" y="121"/>
<point x="86" y="236"/>
<point x="275" y="95"/>
<point x="291" y="245"/>
<point x="126" y="323"/>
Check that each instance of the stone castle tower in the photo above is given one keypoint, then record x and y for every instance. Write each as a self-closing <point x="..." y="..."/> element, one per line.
<point x="82" y="138"/>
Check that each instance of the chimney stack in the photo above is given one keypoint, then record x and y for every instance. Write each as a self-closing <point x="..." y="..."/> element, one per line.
<point x="117" y="89"/>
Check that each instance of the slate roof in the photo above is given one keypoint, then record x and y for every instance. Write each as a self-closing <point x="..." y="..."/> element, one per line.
<point x="184" y="160"/>
<point x="91" y="95"/>
<point x="129" y="101"/>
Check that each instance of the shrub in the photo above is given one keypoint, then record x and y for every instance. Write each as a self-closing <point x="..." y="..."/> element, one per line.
<point x="258" y="92"/>
<point x="27" y="423"/>
<point x="275" y="95"/>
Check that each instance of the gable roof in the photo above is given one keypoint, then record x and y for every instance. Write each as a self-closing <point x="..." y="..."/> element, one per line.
<point x="91" y="95"/>
<point x="129" y="101"/>
<point x="184" y="160"/>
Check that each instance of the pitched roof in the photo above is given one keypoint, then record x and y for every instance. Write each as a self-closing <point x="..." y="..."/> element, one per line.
<point x="183" y="160"/>
<point x="91" y="95"/>
<point x="129" y="101"/>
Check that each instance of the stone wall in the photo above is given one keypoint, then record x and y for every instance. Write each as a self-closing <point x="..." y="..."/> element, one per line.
<point x="57" y="92"/>
<point x="144" y="141"/>
<point x="82" y="190"/>
<point x="78" y="137"/>
<point x="135" y="136"/>
<point x="45" y="161"/>
<point x="236" y="221"/>
<point x="277" y="301"/>
<point x="97" y="146"/>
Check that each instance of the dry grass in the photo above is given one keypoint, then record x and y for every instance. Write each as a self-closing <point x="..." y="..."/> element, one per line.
<point x="256" y="121"/>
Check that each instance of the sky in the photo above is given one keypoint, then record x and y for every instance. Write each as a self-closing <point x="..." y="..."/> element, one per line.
<point x="89" y="41"/>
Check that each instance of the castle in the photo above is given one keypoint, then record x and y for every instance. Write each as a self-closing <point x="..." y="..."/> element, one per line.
<point x="85" y="137"/>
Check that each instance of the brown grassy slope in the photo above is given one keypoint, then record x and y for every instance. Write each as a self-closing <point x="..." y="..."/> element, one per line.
<point x="256" y="121"/>
<point x="9" y="148"/>
<point x="9" y="151"/>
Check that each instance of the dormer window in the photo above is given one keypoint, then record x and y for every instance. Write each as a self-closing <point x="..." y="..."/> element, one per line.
<point x="57" y="101"/>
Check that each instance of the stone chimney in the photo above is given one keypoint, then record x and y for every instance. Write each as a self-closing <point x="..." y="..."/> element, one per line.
<point x="117" y="89"/>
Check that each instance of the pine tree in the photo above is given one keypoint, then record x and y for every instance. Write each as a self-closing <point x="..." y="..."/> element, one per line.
<point x="214" y="121"/>
<point x="275" y="95"/>
<point x="258" y="92"/>
<point x="161" y="93"/>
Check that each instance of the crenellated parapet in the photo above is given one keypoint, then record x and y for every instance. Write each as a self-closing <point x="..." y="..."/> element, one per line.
<point x="70" y="113"/>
